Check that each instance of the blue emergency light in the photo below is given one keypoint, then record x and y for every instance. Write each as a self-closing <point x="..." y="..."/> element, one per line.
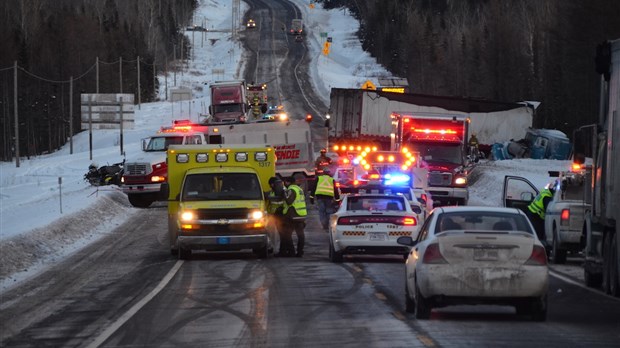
<point x="396" y="179"/>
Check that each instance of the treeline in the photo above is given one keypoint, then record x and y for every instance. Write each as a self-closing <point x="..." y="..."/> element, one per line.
<point x="541" y="50"/>
<point x="54" y="41"/>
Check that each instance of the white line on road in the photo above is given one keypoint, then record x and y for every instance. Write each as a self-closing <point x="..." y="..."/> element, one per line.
<point x="133" y="310"/>
<point x="574" y="282"/>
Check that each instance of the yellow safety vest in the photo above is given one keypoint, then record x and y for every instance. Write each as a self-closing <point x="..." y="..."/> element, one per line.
<point x="325" y="186"/>
<point x="300" y="201"/>
<point x="537" y="206"/>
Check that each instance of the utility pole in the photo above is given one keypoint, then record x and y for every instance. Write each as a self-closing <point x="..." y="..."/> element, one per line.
<point x="120" y="73"/>
<point x="16" y="117"/>
<point x="174" y="62"/>
<point x="139" y="99"/>
<point x="97" y="74"/>
<point x="71" y="115"/>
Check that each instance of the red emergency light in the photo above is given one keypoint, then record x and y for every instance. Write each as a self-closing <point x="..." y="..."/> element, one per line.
<point x="433" y="131"/>
<point x="430" y="134"/>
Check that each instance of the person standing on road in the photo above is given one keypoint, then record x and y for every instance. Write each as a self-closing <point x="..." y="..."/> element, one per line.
<point x="295" y="211"/>
<point x="536" y="211"/>
<point x="322" y="161"/>
<point x="275" y="209"/>
<point x="326" y="194"/>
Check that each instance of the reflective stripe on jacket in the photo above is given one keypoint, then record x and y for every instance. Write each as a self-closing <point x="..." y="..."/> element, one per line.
<point x="300" y="201"/>
<point x="537" y="207"/>
<point x="325" y="186"/>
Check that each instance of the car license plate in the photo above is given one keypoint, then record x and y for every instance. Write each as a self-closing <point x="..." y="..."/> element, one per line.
<point x="485" y="254"/>
<point x="377" y="236"/>
<point x="223" y="240"/>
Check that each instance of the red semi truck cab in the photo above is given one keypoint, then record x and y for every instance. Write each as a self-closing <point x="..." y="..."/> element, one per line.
<point x="144" y="173"/>
<point x="441" y="141"/>
<point x="228" y="102"/>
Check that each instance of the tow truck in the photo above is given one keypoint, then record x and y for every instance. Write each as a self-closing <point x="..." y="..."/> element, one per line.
<point x="216" y="198"/>
<point x="144" y="173"/>
<point x="366" y="168"/>
<point x="441" y="140"/>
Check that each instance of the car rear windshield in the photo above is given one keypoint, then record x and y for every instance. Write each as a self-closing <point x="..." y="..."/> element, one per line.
<point x="482" y="221"/>
<point x="376" y="203"/>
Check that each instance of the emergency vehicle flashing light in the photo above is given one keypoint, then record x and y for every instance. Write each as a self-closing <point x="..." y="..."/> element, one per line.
<point x="392" y="179"/>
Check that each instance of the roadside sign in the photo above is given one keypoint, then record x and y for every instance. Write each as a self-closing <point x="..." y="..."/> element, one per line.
<point x="329" y="39"/>
<point x="323" y="34"/>
<point x="369" y="85"/>
<point x="103" y="111"/>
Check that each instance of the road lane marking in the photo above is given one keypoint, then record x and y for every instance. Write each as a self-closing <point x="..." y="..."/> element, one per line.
<point x="426" y="341"/>
<point x="574" y="282"/>
<point x="135" y="308"/>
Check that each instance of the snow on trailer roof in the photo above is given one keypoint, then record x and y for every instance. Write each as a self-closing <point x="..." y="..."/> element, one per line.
<point x="462" y="104"/>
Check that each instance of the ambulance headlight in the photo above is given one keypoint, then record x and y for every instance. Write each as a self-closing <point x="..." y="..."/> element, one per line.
<point x="460" y="180"/>
<point x="256" y="215"/>
<point x="188" y="215"/>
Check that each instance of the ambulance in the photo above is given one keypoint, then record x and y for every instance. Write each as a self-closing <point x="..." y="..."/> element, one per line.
<point x="217" y="198"/>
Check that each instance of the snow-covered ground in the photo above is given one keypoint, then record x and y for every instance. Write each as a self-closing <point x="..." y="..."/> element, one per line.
<point x="43" y="220"/>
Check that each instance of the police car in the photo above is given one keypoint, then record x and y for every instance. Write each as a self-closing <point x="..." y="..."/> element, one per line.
<point x="371" y="223"/>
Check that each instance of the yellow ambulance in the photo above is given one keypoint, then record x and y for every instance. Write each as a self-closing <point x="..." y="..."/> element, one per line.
<point x="217" y="198"/>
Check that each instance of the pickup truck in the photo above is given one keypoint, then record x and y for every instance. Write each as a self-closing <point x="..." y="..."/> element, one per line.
<point x="565" y="213"/>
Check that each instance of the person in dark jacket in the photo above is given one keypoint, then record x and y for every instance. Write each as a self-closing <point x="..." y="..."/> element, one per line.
<point x="275" y="209"/>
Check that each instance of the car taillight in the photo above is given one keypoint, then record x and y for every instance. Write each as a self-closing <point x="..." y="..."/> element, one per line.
<point x="406" y="221"/>
<point x="432" y="255"/>
<point x="349" y="221"/>
<point x="396" y="220"/>
<point x="565" y="217"/>
<point x="538" y="257"/>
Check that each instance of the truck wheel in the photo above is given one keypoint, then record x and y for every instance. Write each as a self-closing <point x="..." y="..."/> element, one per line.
<point x="592" y="280"/>
<point x="558" y="255"/>
<point x="141" y="200"/>
<point x="614" y="277"/>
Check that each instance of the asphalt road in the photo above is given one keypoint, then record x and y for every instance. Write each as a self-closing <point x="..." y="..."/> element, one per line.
<point x="127" y="290"/>
<point x="275" y="58"/>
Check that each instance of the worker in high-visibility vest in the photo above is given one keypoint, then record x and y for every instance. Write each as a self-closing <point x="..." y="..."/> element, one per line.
<point x="295" y="212"/>
<point x="326" y="194"/>
<point x="536" y="211"/>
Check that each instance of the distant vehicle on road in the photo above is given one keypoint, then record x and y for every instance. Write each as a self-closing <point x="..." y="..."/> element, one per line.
<point x="297" y="26"/>
<point x="251" y="24"/>
<point x="476" y="255"/>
